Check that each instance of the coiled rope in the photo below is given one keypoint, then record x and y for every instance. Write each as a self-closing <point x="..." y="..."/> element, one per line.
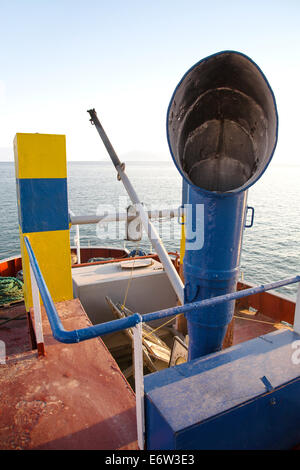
<point x="11" y="290"/>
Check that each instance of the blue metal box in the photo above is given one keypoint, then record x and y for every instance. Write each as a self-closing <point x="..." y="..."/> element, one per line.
<point x="243" y="397"/>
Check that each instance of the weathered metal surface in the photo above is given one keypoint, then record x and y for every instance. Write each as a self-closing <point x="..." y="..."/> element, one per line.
<point x="74" y="398"/>
<point x="233" y="399"/>
<point x="248" y="327"/>
<point x="222" y="123"/>
<point x="212" y="269"/>
<point x="15" y="331"/>
<point x="87" y="253"/>
<point x="272" y="304"/>
<point x="10" y="266"/>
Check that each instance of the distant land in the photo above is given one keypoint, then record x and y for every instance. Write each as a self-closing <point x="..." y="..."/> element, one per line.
<point x="136" y="156"/>
<point x="109" y="163"/>
<point x="128" y="162"/>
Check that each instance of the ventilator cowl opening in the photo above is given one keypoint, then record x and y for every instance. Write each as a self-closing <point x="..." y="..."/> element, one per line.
<point x="222" y="123"/>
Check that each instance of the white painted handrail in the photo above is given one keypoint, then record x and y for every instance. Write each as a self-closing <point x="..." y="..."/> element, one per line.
<point x="139" y="384"/>
<point x="38" y="326"/>
<point x="297" y="312"/>
<point x="122" y="216"/>
<point x="77" y="243"/>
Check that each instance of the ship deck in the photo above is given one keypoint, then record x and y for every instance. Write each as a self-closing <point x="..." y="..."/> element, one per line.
<point x="73" y="398"/>
<point x="76" y="397"/>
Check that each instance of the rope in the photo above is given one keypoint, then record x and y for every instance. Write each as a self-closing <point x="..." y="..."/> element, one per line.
<point x="235" y="316"/>
<point x="126" y="293"/>
<point x="158" y="328"/>
<point x="130" y="279"/>
<point x="11" y="290"/>
<point x="172" y="319"/>
<point x="253" y="319"/>
<point x="127" y="289"/>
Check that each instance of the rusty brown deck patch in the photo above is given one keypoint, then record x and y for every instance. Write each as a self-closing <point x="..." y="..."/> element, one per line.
<point x="74" y="398"/>
<point x="248" y="327"/>
<point x="15" y="333"/>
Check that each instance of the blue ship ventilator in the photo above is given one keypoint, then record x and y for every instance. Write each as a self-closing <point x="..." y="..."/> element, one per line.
<point x="222" y="130"/>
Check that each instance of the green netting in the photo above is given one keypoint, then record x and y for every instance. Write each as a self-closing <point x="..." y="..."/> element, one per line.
<point x="11" y="290"/>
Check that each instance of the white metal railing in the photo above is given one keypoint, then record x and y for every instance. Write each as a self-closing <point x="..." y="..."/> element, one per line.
<point x="77" y="244"/>
<point x="122" y="216"/>
<point x="144" y="217"/>
<point x="38" y="325"/>
<point x="139" y="384"/>
<point x="297" y="312"/>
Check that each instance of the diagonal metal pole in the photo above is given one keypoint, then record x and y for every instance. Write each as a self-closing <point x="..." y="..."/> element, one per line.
<point x="148" y="226"/>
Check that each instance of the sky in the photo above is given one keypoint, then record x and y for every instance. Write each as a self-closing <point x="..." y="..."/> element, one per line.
<point x="59" y="58"/>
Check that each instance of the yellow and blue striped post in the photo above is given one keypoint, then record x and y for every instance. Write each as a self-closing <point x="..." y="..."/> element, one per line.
<point x="41" y="176"/>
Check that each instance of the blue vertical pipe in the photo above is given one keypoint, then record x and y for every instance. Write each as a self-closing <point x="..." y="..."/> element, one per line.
<point x="222" y="128"/>
<point x="212" y="270"/>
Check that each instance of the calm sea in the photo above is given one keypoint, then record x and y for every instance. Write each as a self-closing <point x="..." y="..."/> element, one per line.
<point x="271" y="248"/>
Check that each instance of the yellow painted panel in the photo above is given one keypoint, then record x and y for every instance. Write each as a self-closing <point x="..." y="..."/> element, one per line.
<point x="182" y="241"/>
<point x="52" y="250"/>
<point x="40" y="156"/>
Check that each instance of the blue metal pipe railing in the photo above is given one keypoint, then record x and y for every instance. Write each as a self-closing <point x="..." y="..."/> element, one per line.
<point x="218" y="300"/>
<point x="75" y="336"/>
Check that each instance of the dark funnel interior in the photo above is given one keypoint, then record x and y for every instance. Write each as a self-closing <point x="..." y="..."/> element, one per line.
<point x="222" y="123"/>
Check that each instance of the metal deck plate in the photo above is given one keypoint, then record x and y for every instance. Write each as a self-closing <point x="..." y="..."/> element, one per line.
<point x="187" y="397"/>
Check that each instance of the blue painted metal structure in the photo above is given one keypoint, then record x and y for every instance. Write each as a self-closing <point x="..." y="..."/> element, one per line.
<point x="232" y="399"/>
<point x="244" y="397"/>
<point x="213" y="270"/>
<point x="34" y="194"/>
<point x="222" y="133"/>
<point x="187" y="308"/>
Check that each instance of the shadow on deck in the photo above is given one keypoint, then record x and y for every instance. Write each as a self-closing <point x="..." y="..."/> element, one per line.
<point x="73" y="398"/>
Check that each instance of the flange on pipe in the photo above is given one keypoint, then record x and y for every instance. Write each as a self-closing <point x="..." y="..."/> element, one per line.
<point x="222" y="128"/>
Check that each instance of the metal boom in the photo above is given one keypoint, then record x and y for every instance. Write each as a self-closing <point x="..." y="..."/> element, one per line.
<point x="148" y="226"/>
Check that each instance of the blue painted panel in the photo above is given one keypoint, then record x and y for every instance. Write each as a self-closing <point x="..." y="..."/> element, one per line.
<point x="43" y="204"/>
<point x="222" y="400"/>
<point x="269" y="422"/>
<point x="161" y="435"/>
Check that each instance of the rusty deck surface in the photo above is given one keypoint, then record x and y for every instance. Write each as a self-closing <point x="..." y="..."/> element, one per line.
<point x="74" y="398"/>
<point x="247" y="326"/>
<point x="14" y="329"/>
